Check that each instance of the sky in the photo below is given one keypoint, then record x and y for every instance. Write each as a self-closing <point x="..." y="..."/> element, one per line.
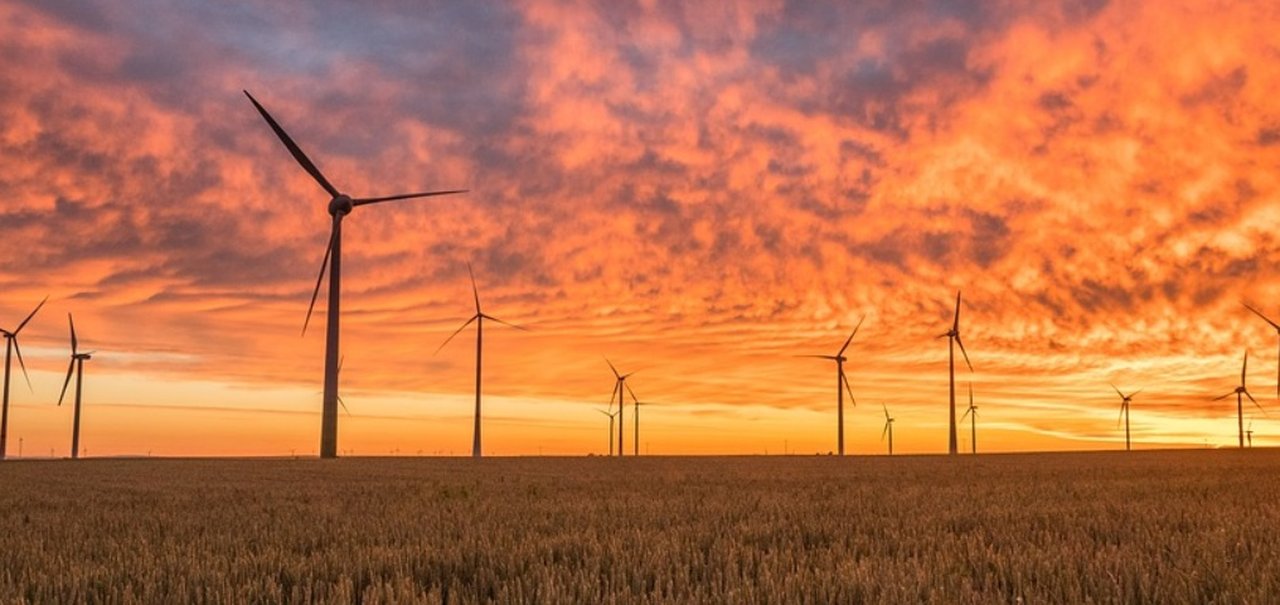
<point x="699" y="192"/>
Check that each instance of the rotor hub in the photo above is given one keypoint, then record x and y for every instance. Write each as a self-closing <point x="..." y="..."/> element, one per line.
<point x="341" y="205"/>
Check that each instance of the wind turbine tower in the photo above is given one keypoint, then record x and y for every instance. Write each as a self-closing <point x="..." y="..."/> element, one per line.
<point x="11" y="347"/>
<point x="340" y="205"/>
<point x="842" y="385"/>
<point x="77" y="365"/>
<point x="953" y="336"/>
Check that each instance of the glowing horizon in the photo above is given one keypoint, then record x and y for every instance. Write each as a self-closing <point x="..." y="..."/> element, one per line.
<point x="697" y="193"/>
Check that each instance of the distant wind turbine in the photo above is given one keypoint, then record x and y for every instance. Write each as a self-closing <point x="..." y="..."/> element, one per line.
<point x="842" y="385"/>
<point x="611" y="416"/>
<point x="1241" y="392"/>
<point x="1125" y="400"/>
<point x="1249" y="434"/>
<point x="953" y="336"/>
<point x="635" y="422"/>
<point x="340" y="205"/>
<point x="619" y="384"/>
<point x="479" y="318"/>
<point x="11" y="346"/>
<point x="972" y="414"/>
<point x="1277" y="327"/>
<point x="888" y="427"/>
<point x="77" y="365"/>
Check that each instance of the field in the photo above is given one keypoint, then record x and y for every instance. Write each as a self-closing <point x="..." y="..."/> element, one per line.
<point x="1148" y="527"/>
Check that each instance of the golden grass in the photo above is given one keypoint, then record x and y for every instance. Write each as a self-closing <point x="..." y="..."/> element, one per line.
<point x="1148" y="527"/>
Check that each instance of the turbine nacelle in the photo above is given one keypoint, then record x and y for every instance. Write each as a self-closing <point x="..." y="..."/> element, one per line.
<point x="341" y="204"/>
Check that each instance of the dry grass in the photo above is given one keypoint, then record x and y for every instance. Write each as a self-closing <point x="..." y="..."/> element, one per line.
<point x="1157" y="527"/>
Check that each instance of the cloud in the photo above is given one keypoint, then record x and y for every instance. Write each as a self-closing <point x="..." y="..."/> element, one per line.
<point x="683" y="185"/>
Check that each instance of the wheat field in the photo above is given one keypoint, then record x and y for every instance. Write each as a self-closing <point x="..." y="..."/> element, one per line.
<point x="1147" y="527"/>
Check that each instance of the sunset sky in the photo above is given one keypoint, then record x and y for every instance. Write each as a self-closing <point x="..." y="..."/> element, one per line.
<point x="698" y="193"/>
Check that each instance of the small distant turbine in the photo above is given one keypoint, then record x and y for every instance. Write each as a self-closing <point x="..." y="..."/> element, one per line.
<point x="340" y="205"/>
<point x="1277" y="327"/>
<point x="77" y="365"/>
<point x="1125" y="400"/>
<point x="1249" y="434"/>
<point x="888" y="427"/>
<point x="635" y="421"/>
<point x="479" y="318"/>
<point x="972" y="414"/>
<point x="1240" y="392"/>
<point x="953" y="336"/>
<point x="11" y="346"/>
<point x="612" y="416"/>
<point x="842" y="385"/>
<point x="620" y="387"/>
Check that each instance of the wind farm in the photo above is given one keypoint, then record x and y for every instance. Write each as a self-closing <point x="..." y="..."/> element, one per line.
<point x="712" y="194"/>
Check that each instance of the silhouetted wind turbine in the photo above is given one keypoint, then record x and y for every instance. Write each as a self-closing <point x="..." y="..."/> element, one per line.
<point x="611" y="416"/>
<point x="1125" y="400"/>
<point x="973" y="421"/>
<point x="1238" y="392"/>
<point x="77" y="365"/>
<point x="635" y="421"/>
<point x="340" y="205"/>
<point x="888" y="427"/>
<point x="1277" y="327"/>
<point x="620" y="383"/>
<point x="842" y="385"/>
<point x="479" y="318"/>
<point x="11" y="346"/>
<point x="1249" y="433"/>
<point x="953" y="336"/>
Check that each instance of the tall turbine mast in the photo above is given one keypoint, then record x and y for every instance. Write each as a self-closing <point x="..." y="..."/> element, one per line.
<point x="11" y="347"/>
<point x="619" y="386"/>
<point x="77" y="365"/>
<point x="842" y="384"/>
<point x="340" y="205"/>
<point x="1125" y="400"/>
<point x="479" y="318"/>
<point x="1240" y="392"/>
<point x="953" y="339"/>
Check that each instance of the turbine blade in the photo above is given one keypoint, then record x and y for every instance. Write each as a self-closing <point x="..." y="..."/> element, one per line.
<point x="324" y="266"/>
<point x="848" y="389"/>
<point x="67" y="382"/>
<point x="505" y="323"/>
<point x="33" y="314"/>
<point x="404" y="196"/>
<point x="966" y="414"/>
<point x="1113" y="386"/>
<point x="632" y="393"/>
<point x="1224" y="396"/>
<point x="615" y="371"/>
<point x="344" y="405"/>
<point x="1135" y="393"/>
<point x="293" y="148"/>
<point x="17" y="349"/>
<point x="1264" y="317"/>
<point x="475" y="291"/>
<point x="854" y="333"/>
<point x="885" y="431"/>
<point x="886" y="410"/>
<point x="341" y="360"/>
<point x="971" y="394"/>
<point x="955" y="325"/>
<point x="1244" y="368"/>
<point x="1255" y="401"/>
<point x="963" y="352"/>
<point x="831" y="357"/>
<point x="1120" y="417"/>
<point x="75" y="344"/>
<point x="455" y="333"/>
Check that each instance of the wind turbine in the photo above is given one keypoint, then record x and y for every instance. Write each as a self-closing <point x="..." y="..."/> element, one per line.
<point x="842" y="385"/>
<point x="1277" y="327"/>
<point x="635" y="424"/>
<point x="479" y="318"/>
<point x="619" y="384"/>
<point x="1249" y="434"/>
<point x="1125" y="400"/>
<point x="888" y="427"/>
<point x="340" y="205"/>
<point x="1238" y="392"/>
<point x="11" y="346"/>
<point x="973" y="421"/>
<point x="953" y="336"/>
<point x="77" y="365"/>
<point x="611" y="416"/>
